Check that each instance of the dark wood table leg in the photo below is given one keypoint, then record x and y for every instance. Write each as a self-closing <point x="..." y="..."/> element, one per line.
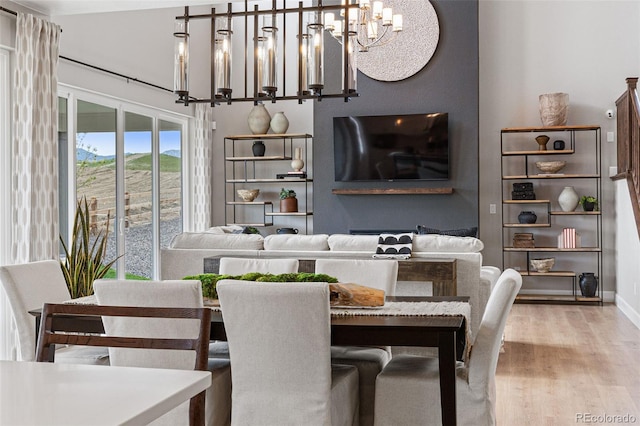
<point x="447" y="363"/>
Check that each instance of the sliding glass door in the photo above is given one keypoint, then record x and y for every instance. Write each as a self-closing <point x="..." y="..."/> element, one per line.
<point x="127" y="164"/>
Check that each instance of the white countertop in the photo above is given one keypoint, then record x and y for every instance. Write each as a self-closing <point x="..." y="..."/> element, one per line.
<point x="42" y="393"/>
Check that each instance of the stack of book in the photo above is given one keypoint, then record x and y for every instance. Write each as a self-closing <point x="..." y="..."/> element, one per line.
<point x="301" y="175"/>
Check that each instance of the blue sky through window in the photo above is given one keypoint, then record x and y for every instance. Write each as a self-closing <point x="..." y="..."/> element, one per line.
<point x="104" y="143"/>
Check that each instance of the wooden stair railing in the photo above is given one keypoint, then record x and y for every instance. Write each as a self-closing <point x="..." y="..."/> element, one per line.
<point x="628" y="129"/>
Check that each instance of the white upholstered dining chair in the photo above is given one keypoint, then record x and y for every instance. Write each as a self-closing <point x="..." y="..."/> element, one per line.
<point x="240" y="266"/>
<point x="408" y="388"/>
<point x="29" y="286"/>
<point x="279" y="336"/>
<point x="169" y="294"/>
<point x="377" y="273"/>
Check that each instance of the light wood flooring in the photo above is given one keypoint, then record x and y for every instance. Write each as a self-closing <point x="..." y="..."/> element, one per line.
<point x="561" y="362"/>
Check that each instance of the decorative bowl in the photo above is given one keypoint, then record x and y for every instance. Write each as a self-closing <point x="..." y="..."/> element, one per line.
<point x="248" y="194"/>
<point x="550" y="166"/>
<point x="543" y="265"/>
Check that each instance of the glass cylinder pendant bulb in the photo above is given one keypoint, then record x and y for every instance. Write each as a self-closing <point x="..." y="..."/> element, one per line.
<point x="304" y="62"/>
<point x="315" y="54"/>
<point x="222" y="57"/>
<point x="350" y="82"/>
<point x="181" y="58"/>
<point x="223" y="62"/>
<point x="270" y="68"/>
<point x="259" y="64"/>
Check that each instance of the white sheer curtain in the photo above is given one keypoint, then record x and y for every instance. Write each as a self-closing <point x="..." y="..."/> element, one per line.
<point x="34" y="163"/>
<point x="201" y="157"/>
<point x="6" y="335"/>
<point x="35" y="142"/>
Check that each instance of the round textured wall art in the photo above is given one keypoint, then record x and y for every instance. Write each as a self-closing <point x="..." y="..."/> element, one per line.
<point x="411" y="50"/>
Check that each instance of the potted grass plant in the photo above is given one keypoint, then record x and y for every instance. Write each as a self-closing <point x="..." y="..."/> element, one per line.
<point x="84" y="260"/>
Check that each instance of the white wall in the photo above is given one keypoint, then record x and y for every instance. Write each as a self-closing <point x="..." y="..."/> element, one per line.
<point x="138" y="44"/>
<point x="527" y="47"/>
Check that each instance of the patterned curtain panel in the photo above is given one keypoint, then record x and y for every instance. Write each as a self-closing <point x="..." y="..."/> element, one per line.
<point x="35" y="144"/>
<point x="201" y="149"/>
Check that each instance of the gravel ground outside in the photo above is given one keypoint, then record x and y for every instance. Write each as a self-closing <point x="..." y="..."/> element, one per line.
<point x="138" y="259"/>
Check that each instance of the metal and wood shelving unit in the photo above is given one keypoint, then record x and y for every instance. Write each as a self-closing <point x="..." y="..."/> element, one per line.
<point x="243" y="170"/>
<point x="583" y="156"/>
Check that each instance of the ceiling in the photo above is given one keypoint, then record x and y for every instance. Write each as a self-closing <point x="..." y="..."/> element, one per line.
<point x="75" y="7"/>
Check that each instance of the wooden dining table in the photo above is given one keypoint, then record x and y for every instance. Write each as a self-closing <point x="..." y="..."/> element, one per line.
<point x="44" y="393"/>
<point x="448" y="333"/>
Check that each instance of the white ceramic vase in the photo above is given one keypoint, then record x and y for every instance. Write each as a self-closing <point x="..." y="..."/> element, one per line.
<point x="259" y="120"/>
<point x="297" y="163"/>
<point x="568" y="199"/>
<point x="279" y="123"/>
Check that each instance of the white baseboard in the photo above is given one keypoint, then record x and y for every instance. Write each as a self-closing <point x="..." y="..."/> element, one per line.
<point x="629" y="312"/>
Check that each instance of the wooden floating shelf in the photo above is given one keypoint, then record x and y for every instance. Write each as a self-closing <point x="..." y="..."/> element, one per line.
<point x="255" y="225"/>
<point x="553" y="249"/>
<point x="551" y="298"/>
<point x="288" y="214"/>
<point x="252" y="158"/>
<point x="526" y="201"/>
<point x="552" y="176"/>
<point x="244" y="203"/>
<point x="549" y="129"/>
<point x="270" y="136"/>
<point x="392" y="191"/>
<point x="274" y="180"/>
<point x="580" y="213"/>
<point x="527" y="225"/>
<point x="546" y="152"/>
<point x="569" y="274"/>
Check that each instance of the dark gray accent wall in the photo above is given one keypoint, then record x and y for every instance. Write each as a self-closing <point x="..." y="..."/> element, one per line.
<point x="448" y="83"/>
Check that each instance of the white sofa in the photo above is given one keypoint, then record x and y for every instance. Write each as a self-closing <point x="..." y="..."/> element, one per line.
<point x="186" y="252"/>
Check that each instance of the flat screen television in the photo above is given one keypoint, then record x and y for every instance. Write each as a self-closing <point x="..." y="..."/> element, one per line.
<point x="391" y="147"/>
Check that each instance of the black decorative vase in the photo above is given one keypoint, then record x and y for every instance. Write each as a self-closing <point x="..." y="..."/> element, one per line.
<point x="527" y="217"/>
<point x="558" y="145"/>
<point x="588" y="284"/>
<point x="588" y="206"/>
<point x="258" y="149"/>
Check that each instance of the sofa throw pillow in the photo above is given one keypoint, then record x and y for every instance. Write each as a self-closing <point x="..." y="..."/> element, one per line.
<point x="394" y="246"/>
<point x="461" y="232"/>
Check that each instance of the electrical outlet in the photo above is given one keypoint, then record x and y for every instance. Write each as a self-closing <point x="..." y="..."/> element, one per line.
<point x="492" y="209"/>
<point x="635" y="289"/>
<point x="610" y="137"/>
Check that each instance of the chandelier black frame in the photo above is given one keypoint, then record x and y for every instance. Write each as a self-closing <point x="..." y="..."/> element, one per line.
<point x="221" y="91"/>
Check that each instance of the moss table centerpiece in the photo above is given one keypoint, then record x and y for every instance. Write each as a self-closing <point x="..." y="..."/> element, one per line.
<point x="341" y="294"/>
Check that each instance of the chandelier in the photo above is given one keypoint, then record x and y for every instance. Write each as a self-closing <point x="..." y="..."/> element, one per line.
<point x="371" y="25"/>
<point x="260" y="73"/>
